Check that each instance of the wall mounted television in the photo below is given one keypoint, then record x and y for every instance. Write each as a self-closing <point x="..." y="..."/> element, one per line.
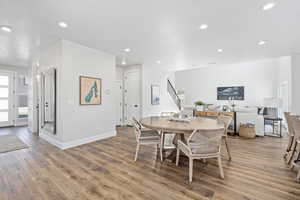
<point x="231" y="93"/>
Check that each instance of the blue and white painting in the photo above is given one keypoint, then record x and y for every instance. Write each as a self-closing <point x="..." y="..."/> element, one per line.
<point x="155" y="95"/>
<point x="90" y="91"/>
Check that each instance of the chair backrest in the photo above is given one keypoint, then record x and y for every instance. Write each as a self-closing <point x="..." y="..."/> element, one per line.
<point x="288" y="117"/>
<point x="292" y="120"/>
<point x="226" y="120"/>
<point x="137" y="128"/>
<point x="205" y="138"/>
<point x="296" y="126"/>
<point x="137" y="122"/>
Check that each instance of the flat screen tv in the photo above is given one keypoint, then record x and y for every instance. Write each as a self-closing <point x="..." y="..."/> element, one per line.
<point x="231" y="93"/>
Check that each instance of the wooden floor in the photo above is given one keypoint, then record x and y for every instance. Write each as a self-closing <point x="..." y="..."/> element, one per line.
<point x="105" y="170"/>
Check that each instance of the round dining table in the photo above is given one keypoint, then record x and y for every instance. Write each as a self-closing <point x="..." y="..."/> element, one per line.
<point x="166" y="125"/>
<point x="180" y="128"/>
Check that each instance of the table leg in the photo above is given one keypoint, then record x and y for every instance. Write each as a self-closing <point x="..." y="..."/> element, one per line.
<point x="172" y="156"/>
<point x="264" y="127"/>
<point x="280" y="128"/>
<point x="162" y="143"/>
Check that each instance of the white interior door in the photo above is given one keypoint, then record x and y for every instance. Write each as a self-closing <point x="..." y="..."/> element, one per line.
<point x="119" y="102"/>
<point x="132" y="95"/>
<point x="6" y="101"/>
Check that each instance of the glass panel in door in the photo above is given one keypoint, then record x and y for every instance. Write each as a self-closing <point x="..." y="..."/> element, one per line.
<point x="5" y="99"/>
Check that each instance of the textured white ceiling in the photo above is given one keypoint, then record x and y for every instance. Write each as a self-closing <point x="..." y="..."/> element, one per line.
<point x="165" y="30"/>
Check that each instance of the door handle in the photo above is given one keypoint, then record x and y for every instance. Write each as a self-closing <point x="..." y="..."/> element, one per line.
<point x="136" y="106"/>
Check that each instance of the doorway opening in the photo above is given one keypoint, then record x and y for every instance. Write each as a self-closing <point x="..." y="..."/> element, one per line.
<point x="129" y="92"/>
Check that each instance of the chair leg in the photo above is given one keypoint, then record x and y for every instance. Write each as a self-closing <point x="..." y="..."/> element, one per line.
<point x="177" y="156"/>
<point x="136" y="152"/>
<point x="289" y="147"/>
<point x="298" y="176"/>
<point x="227" y="148"/>
<point x="292" y="167"/>
<point x="293" y="151"/>
<point x="162" y="141"/>
<point x="190" y="170"/>
<point x="220" y="167"/>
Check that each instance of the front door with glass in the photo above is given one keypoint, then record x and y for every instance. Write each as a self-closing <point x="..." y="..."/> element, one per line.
<point x="6" y="103"/>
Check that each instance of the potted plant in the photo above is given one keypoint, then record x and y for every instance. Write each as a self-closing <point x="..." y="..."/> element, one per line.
<point x="199" y="105"/>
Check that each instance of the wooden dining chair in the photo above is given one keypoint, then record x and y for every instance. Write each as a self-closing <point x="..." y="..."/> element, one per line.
<point x="296" y="160"/>
<point x="145" y="137"/>
<point x="226" y="120"/>
<point x="202" y="144"/>
<point x="293" y="119"/>
<point x="291" y="134"/>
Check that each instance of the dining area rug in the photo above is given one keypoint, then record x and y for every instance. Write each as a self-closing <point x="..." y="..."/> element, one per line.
<point x="11" y="143"/>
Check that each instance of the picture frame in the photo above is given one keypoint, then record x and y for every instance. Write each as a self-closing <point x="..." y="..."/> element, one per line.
<point x="155" y="95"/>
<point x="231" y="93"/>
<point x="90" y="90"/>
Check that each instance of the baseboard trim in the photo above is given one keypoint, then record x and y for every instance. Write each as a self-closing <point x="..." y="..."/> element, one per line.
<point x="75" y="143"/>
<point x="51" y="140"/>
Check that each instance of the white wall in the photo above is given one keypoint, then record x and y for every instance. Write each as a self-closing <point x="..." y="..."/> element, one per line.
<point x="296" y="83"/>
<point x="78" y="124"/>
<point x="89" y="121"/>
<point x="154" y="75"/>
<point x="119" y="73"/>
<point x="260" y="79"/>
<point x="285" y="76"/>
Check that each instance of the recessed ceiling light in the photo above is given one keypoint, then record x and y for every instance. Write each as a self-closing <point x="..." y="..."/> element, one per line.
<point x="127" y="50"/>
<point x="262" y="42"/>
<point x="63" y="24"/>
<point x="6" y="29"/>
<point x="268" y="6"/>
<point x="158" y="62"/>
<point x="203" y="26"/>
<point x="220" y="50"/>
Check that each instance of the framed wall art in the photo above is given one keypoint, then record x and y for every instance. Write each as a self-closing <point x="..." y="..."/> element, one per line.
<point x="90" y="90"/>
<point x="155" y="96"/>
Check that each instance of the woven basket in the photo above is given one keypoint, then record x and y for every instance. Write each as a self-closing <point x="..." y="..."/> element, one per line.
<point x="247" y="131"/>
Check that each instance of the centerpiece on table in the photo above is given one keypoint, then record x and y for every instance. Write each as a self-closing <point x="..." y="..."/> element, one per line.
<point x="180" y="118"/>
<point x="199" y="105"/>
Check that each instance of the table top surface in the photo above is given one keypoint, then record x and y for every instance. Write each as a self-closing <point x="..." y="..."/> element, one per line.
<point x="163" y="123"/>
<point x="270" y="117"/>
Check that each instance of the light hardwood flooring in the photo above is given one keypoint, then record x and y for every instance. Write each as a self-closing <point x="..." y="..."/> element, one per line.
<point x="105" y="170"/>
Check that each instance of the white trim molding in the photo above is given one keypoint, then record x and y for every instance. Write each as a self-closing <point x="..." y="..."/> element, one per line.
<point x="75" y="143"/>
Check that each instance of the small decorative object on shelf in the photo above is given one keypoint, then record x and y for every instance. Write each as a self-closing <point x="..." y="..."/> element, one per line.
<point x="199" y="105"/>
